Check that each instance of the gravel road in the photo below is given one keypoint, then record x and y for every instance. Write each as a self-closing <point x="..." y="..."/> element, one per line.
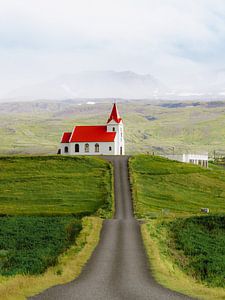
<point x="118" y="268"/>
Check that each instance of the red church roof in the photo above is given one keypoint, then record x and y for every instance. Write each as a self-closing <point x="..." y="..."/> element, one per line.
<point x="92" y="134"/>
<point x="66" y="137"/>
<point x="114" y="115"/>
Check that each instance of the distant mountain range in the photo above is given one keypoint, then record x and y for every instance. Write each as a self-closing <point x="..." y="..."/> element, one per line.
<point x="123" y="85"/>
<point x="101" y="84"/>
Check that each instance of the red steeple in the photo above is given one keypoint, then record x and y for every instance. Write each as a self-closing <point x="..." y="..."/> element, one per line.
<point x="114" y="115"/>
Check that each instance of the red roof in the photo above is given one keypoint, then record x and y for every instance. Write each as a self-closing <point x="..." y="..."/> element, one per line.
<point x="66" y="137"/>
<point x="92" y="134"/>
<point x="114" y="115"/>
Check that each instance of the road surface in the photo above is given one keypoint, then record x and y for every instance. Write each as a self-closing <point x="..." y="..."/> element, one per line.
<point x="118" y="268"/>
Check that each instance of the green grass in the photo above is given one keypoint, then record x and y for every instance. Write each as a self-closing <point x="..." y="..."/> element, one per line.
<point x="169" y="265"/>
<point x="197" y="245"/>
<point x="149" y="126"/>
<point x="29" y="245"/>
<point x="164" y="187"/>
<point x="54" y="185"/>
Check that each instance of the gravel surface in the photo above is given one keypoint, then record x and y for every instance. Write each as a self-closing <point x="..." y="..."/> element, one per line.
<point x="118" y="268"/>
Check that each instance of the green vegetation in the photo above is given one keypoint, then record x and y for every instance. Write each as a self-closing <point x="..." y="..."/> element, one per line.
<point x="166" y="188"/>
<point x="186" y="254"/>
<point x="69" y="266"/>
<point x="28" y="245"/>
<point x="43" y="202"/>
<point x="149" y="126"/>
<point x="175" y="270"/>
<point x="198" y="244"/>
<point x="55" y="185"/>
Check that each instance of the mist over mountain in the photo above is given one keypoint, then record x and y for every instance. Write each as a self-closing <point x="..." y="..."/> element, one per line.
<point x="91" y="84"/>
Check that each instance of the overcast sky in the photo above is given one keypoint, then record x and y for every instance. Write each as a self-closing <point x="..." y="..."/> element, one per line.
<point x="177" y="41"/>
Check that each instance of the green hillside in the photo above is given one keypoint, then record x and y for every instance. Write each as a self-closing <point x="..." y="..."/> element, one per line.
<point x="164" y="187"/>
<point x="54" y="185"/>
<point x="36" y="127"/>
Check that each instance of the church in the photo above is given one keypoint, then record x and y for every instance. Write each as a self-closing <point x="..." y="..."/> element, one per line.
<point x="95" y="140"/>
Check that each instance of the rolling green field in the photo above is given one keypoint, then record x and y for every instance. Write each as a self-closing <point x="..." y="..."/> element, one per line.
<point x="54" y="185"/>
<point x="159" y="127"/>
<point x="42" y="201"/>
<point x="29" y="245"/>
<point x="163" y="188"/>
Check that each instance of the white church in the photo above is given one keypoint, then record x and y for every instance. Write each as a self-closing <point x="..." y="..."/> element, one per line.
<point x="95" y="140"/>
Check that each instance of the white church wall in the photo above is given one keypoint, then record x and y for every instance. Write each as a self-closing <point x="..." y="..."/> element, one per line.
<point x="103" y="148"/>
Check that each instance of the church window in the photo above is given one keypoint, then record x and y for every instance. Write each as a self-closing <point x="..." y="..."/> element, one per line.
<point x="96" y="147"/>
<point x="113" y="128"/>
<point x="66" y="150"/>
<point x="110" y="148"/>
<point x="77" y="148"/>
<point x="86" y="148"/>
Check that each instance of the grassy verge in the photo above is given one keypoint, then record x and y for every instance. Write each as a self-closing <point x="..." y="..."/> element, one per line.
<point x="184" y="256"/>
<point x="166" y="271"/>
<point x="68" y="268"/>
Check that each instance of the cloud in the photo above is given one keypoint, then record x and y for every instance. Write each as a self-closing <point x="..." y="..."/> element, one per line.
<point x="176" y="40"/>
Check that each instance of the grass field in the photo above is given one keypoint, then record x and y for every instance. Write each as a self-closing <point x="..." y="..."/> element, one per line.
<point x="167" y="188"/>
<point x="54" y="185"/>
<point x="42" y="201"/>
<point x="29" y="245"/>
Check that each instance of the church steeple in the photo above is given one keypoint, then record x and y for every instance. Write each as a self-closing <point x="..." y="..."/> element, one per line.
<point x="114" y="115"/>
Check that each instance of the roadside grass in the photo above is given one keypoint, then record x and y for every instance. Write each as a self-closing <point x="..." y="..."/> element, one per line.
<point x="29" y="245"/>
<point x="69" y="266"/>
<point x="54" y="185"/>
<point x="198" y="243"/>
<point x="43" y="201"/>
<point x="165" y="261"/>
<point x="185" y="249"/>
<point x="162" y="187"/>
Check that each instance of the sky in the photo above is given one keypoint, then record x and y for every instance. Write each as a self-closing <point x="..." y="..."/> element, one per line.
<point x="181" y="42"/>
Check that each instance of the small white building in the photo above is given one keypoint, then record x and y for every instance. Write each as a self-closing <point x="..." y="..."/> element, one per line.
<point x="95" y="140"/>
<point x="196" y="159"/>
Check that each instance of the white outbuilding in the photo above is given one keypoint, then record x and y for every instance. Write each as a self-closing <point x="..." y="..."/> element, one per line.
<point x="95" y="140"/>
<point x="197" y="159"/>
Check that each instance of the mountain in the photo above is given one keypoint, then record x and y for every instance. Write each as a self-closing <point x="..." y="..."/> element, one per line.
<point x="94" y="84"/>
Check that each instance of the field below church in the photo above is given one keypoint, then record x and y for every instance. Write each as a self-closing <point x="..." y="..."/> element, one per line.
<point x="168" y="188"/>
<point x="54" y="185"/>
<point x="185" y="247"/>
<point x="43" y="200"/>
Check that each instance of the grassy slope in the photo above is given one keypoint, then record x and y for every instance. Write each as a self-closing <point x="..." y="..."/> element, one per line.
<point x="149" y="127"/>
<point x="165" y="267"/>
<point x="46" y="186"/>
<point x="182" y="248"/>
<point x="162" y="186"/>
<point x="68" y="268"/>
<point x="54" y="185"/>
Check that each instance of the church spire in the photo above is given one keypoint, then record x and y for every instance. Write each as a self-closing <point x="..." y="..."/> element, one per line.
<point x="114" y="115"/>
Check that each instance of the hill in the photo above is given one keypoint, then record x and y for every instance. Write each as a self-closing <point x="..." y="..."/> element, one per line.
<point x="160" y="127"/>
<point x="54" y="185"/>
<point x="164" y="187"/>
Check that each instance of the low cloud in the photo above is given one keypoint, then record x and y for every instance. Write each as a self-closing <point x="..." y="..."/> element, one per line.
<point x="179" y="41"/>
